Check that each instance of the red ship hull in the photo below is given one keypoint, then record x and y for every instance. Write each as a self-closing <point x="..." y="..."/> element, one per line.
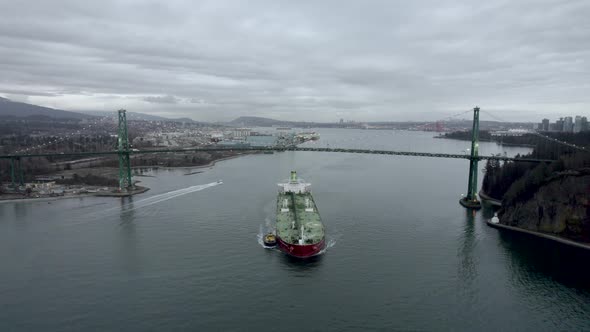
<point x="301" y="251"/>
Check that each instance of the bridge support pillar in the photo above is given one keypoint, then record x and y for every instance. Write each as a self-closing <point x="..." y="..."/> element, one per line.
<point x="125" y="180"/>
<point x="471" y="201"/>
<point x="12" y="176"/>
<point x="16" y="165"/>
<point x="21" y="172"/>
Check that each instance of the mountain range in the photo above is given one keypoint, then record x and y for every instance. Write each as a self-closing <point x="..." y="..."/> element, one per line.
<point x="13" y="109"/>
<point x="9" y="108"/>
<point x="135" y="116"/>
<point x="256" y="121"/>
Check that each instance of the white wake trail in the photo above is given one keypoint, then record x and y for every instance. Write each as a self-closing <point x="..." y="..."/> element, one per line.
<point x="130" y="206"/>
<point x="170" y="195"/>
<point x="155" y="197"/>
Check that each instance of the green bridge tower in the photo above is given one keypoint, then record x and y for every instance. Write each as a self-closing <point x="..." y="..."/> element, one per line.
<point x="125" y="180"/>
<point x="14" y="163"/>
<point x="470" y="201"/>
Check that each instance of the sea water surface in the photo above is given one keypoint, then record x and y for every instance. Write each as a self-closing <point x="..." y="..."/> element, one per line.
<point x="403" y="254"/>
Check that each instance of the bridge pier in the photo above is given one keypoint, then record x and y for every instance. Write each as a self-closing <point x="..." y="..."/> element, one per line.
<point x="12" y="178"/>
<point x="15" y="163"/>
<point x="125" y="180"/>
<point x="470" y="201"/>
<point x="21" y="172"/>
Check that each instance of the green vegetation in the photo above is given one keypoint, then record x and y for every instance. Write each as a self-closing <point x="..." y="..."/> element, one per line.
<point x="513" y="182"/>
<point x="525" y="140"/>
<point x="484" y="135"/>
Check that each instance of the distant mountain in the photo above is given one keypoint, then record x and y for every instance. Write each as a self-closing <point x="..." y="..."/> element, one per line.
<point x="256" y="121"/>
<point x="9" y="108"/>
<point x="135" y="116"/>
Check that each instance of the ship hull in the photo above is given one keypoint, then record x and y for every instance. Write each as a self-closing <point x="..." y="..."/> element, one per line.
<point x="301" y="251"/>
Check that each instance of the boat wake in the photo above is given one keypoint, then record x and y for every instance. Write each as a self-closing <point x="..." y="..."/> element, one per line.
<point x="167" y="196"/>
<point x="330" y="242"/>
<point x="131" y="205"/>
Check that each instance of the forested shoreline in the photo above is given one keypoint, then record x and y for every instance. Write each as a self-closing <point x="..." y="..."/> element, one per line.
<point x="512" y="181"/>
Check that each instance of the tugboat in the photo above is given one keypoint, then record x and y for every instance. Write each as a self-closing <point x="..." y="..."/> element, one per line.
<point x="300" y="232"/>
<point x="270" y="240"/>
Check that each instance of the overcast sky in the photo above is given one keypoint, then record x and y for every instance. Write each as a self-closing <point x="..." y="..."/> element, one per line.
<point x="301" y="60"/>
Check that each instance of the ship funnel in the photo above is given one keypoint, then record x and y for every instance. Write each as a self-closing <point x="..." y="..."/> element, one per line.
<point x="293" y="176"/>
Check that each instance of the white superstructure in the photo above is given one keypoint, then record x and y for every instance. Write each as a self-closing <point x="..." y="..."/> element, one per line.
<point x="295" y="185"/>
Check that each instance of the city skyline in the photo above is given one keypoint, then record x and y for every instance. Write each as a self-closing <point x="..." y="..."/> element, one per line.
<point x="571" y="124"/>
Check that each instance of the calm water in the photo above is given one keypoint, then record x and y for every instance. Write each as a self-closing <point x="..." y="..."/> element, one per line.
<point x="404" y="254"/>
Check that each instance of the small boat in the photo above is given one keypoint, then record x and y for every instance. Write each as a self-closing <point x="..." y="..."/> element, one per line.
<point x="495" y="219"/>
<point x="270" y="240"/>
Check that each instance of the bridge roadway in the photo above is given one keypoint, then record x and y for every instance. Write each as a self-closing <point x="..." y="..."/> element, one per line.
<point x="278" y="149"/>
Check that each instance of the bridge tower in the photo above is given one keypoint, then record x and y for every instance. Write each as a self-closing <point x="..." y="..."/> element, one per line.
<point x="125" y="180"/>
<point x="12" y="178"/>
<point x="14" y="163"/>
<point x="470" y="201"/>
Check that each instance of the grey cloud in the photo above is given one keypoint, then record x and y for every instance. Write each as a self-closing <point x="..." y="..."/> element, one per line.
<point x="374" y="60"/>
<point x="161" y="99"/>
<point x="19" y="92"/>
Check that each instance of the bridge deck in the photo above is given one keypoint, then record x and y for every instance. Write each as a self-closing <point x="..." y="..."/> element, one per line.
<point x="280" y="149"/>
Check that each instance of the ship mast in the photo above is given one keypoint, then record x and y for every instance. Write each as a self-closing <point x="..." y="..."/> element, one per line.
<point x="301" y="239"/>
<point x="292" y="195"/>
<point x="293" y="177"/>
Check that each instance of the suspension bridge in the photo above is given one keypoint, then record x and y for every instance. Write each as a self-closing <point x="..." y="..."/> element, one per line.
<point x="124" y="153"/>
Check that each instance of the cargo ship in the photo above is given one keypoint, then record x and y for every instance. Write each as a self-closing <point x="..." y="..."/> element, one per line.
<point x="299" y="228"/>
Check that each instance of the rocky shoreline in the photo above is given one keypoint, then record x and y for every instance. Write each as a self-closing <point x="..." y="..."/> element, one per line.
<point x="560" y="208"/>
<point x="551" y="237"/>
<point x="110" y="192"/>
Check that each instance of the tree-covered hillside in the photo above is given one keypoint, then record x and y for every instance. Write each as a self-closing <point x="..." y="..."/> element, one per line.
<point x="517" y="181"/>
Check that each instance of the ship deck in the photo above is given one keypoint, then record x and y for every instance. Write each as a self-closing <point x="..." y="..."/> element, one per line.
<point x="313" y="230"/>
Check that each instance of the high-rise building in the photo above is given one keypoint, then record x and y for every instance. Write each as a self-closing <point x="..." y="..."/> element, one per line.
<point x="585" y="126"/>
<point x="545" y="125"/>
<point x="568" y="124"/>
<point x="558" y="125"/>
<point x="578" y="124"/>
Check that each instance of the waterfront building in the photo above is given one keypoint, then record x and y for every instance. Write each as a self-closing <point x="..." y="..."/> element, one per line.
<point x="578" y="124"/>
<point x="545" y="125"/>
<point x="241" y="133"/>
<point x="558" y="126"/>
<point x="510" y="132"/>
<point x="568" y="124"/>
